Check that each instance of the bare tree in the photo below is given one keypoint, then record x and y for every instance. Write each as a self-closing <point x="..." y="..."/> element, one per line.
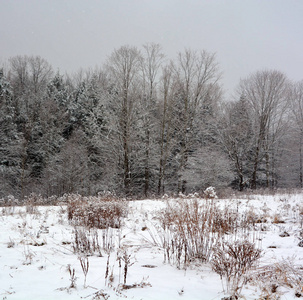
<point x="196" y="74"/>
<point x="166" y="114"/>
<point x="124" y="65"/>
<point x="297" y="112"/>
<point x="29" y="74"/>
<point x="105" y="149"/>
<point x="151" y="64"/>
<point x="40" y="73"/>
<point x="19" y="74"/>
<point x="266" y="93"/>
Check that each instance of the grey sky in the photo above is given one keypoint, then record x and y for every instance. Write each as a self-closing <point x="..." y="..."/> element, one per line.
<point x="247" y="35"/>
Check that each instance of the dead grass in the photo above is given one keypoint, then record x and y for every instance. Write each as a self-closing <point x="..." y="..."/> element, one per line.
<point x="272" y="278"/>
<point x="190" y="228"/>
<point x="96" y="212"/>
<point x="86" y="242"/>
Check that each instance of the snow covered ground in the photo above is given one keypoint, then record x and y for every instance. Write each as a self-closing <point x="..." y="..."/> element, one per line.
<point x="37" y="259"/>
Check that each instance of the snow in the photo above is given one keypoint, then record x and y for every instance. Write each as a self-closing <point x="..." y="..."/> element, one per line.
<point x="36" y="250"/>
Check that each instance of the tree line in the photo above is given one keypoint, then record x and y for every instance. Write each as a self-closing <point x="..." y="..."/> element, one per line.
<point x="144" y="125"/>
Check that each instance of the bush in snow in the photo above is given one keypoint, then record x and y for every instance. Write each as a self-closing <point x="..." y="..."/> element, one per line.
<point x="96" y="212"/>
<point x="191" y="228"/>
<point x="272" y="279"/>
<point x="210" y="193"/>
<point x="232" y="261"/>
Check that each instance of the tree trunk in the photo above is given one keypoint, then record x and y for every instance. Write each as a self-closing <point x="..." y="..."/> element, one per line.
<point x="125" y="146"/>
<point x="256" y="164"/>
<point x="147" y="171"/>
<point x="301" y="163"/>
<point x="267" y="169"/>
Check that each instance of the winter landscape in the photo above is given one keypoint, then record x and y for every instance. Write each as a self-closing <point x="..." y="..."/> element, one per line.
<point x="187" y="247"/>
<point x="151" y="149"/>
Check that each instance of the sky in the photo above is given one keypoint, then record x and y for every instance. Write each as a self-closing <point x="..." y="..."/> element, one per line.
<point x="246" y="35"/>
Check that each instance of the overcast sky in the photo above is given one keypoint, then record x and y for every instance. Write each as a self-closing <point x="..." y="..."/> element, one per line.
<point x="247" y="35"/>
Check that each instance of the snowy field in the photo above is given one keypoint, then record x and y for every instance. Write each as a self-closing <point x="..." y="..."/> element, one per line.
<point x="38" y="259"/>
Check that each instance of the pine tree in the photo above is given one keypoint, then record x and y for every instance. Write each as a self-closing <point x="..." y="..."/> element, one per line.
<point x="11" y="143"/>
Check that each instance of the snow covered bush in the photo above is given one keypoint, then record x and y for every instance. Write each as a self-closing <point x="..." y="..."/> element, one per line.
<point x="232" y="261"/>
<point x="9" y="200"/>
<point x="96" y="212"/>
<point x="210" y="193"/>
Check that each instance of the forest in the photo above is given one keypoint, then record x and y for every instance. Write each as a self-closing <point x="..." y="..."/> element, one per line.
<point x="143" y="125"/>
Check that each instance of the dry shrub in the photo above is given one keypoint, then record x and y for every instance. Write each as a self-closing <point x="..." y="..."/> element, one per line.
<point x="8" y="210"/>
<point x="84" y="262"/>
<point x="232" y="261"/>
<point x="100" y="295"/>
<point x="191" y="228"/>
<point x="225" y="220"/>
<point x="228" y="193"/>
<point x="281" y="274"/>
<point x="94" y="219"/>
<point x="86" y="241"/>
<point x="253" y="217"/>
<point x="9" y="201"/>
<point x="73" y="278"/>
<point x="32" y="202"/>
<point x="277" y="219"/>
<point x="96" y="212"/>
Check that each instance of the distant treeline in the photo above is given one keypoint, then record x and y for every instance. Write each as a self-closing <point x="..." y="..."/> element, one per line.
<point x="143" y="125"/>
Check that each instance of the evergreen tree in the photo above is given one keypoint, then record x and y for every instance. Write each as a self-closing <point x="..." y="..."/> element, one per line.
<point x="237" y="138"/>
<point x="11" y="143"/>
